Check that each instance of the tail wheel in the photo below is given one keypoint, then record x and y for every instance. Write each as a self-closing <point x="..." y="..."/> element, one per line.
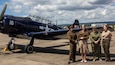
<point x="11" y="46"/>
<point x="29" y="49"/>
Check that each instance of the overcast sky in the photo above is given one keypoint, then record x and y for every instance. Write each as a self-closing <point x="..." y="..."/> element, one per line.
<point x="64" y="11"/>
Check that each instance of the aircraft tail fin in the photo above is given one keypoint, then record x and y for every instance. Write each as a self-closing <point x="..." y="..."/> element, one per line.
<point x="76" y="24"/>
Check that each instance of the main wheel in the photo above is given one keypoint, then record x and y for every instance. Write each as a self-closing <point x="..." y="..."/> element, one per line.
<point x="29" y="49"/>
<point x="11" y="46"/>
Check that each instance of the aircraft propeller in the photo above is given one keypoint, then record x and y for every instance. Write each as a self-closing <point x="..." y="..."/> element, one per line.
<point x="3" y="11"/>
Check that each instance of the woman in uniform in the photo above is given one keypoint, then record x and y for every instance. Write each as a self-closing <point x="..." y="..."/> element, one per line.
<point x="83" y="36"/>
<point x="95" y="38"/>
<point x="72" y="38"/>
<point x="106" y="38"/>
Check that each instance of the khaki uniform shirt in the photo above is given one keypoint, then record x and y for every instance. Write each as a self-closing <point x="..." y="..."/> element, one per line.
<point x="106" y="35"/>
<point x="83" y="34"/>
<point x="71" y="36"/>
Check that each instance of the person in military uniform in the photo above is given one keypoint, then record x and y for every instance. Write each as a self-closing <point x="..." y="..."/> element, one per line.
<point x="106" y="38"/>
<point x="82" y="37"/>
<point x="72" y="38"/>
<point x="95" y="38"/>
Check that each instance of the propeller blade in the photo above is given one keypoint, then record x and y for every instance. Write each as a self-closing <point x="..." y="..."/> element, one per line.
<point x="3" y="11"/>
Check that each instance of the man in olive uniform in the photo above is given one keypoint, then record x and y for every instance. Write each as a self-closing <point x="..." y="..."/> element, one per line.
<point x="72" y="38"/>
<point x="95" y="43"/>
<point x="106" y="38"/>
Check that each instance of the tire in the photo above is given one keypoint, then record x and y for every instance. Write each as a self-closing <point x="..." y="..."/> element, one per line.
<point x="11" y="46"/>
<point x="29" y="49"/>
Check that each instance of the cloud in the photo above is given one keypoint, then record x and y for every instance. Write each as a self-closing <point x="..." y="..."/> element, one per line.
<point x="66" y="11"/>
<point x="102" y="1"/>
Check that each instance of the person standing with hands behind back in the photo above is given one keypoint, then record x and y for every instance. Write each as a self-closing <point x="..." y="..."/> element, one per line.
<point x="72" y="38"/>
<point x="82" y="37"/>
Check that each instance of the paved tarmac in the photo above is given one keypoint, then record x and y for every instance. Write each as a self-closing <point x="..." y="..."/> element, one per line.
<point x="47" y="52"/>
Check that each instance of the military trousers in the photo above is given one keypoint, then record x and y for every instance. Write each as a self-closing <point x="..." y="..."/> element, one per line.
<point x="106" y="46"/>
<point x="96" y="49"/>
<point x="72" y="51"/>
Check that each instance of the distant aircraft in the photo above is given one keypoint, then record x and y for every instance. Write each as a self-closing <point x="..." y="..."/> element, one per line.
<point x="13" y="26"/>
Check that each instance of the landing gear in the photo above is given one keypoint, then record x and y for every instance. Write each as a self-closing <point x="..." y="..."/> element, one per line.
<point x="29" y="48"/>
<point x="11" y="46"/>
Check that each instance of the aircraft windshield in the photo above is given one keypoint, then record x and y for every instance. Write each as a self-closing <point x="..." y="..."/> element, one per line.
<point x="40" y="19"/>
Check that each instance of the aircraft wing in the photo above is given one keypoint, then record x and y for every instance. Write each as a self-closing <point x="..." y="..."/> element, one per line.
<point x="56" y="33"/>
<point x="44" y="33"/>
